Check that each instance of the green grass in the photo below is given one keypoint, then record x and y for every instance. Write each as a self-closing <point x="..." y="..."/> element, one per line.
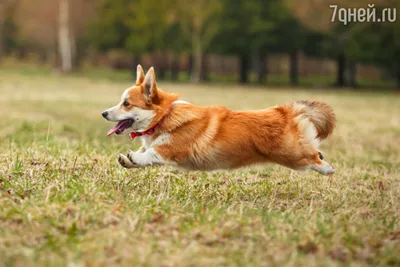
<point x="65" y="201"/>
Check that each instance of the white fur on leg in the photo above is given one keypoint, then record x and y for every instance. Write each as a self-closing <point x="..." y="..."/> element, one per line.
<point x="142" y="149"/>
<point x="323" y="168"/>
<point x="149" y="157"/>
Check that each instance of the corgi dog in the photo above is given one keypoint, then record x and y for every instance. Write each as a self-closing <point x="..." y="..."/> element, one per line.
<point x="175" y="132"/>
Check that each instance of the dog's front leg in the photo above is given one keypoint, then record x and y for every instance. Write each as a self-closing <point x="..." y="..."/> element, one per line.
<point x="124" y="160"/>
<point x="142" y="149"/>
<point x="148" y="157"/>
<point x="138" y="159"/>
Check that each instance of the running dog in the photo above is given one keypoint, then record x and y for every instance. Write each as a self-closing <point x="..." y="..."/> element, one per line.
<point x="178" y="133"/>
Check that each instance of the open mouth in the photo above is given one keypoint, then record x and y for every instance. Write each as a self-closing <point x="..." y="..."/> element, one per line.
<point x="120" y="127"/>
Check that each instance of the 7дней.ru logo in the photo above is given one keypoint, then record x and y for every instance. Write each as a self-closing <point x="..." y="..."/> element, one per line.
<point x="370" y="14"/>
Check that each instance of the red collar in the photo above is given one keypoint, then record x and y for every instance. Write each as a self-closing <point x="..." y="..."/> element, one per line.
<point x="149" y="132"/>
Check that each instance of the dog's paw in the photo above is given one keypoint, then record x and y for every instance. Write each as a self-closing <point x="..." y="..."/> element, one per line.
<point x="131" y="156"/>
<point x="126" y="162"/>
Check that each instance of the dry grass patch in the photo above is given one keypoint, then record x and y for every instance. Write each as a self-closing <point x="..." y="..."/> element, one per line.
<point x="64" y="200"/>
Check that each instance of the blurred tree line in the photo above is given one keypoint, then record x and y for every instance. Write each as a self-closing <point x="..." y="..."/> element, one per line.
<point x="69" y="31"/>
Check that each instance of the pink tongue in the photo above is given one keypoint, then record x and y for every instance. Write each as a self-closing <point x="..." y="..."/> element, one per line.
<point x="121" y="124"/>
<point x="113" y="130"/>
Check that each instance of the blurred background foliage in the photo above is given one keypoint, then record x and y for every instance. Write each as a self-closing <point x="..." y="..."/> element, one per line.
<point x="248" y="41"/>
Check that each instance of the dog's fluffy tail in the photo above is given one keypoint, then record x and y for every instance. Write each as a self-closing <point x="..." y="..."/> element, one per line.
<point x="319" y="114"/>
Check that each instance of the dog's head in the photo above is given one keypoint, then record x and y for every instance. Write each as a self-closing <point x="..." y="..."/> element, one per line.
<point x="141" y="105"/>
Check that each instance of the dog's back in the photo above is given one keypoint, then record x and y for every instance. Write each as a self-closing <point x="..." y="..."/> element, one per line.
<point x="218" y="138"/>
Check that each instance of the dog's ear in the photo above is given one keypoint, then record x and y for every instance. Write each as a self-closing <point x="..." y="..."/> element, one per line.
<point x="139" y="75"/>
<point x="150" y="85"/>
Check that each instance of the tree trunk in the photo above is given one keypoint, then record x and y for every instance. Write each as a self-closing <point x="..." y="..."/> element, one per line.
<point x="190" y="65"/>
<point x="43" y="56"/>
<point x="397" y="73"/>
<point x="4" y="8"/>
<point x="175" y="68"/>
<point x="398" y="80"/>
<point x="341" y="70"/>
<point x="2" y="45"/>
<point x="262" y="68"/>
<point x="21" y="52"/>
<point x="204" y="68"/>
<point x="78" y="55"/>
<point x="159" y="64"/>
<point x="161" y="73"/>
<point x="244" y="68"/>
<point x="294" y="68"/>
<point x="135" y="63"/>
<point x="65" y="41"/>
<point x="197" y="59"/>
<point x="352" y="69"/>
<point x="92" y="57"/>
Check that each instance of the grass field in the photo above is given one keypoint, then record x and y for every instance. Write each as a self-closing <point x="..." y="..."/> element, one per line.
<point x="65" y="201"/>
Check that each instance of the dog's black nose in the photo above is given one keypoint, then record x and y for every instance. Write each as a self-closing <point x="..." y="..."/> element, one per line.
<point x="104" y="114"/>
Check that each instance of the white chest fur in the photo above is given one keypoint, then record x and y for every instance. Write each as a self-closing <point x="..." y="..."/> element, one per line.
<point x="147" y="140"/>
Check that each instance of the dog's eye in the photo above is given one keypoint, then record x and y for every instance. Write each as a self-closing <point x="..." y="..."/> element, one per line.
<point x="126" y="103"/>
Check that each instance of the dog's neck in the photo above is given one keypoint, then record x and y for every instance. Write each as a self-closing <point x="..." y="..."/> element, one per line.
<point x="151" y="130"/>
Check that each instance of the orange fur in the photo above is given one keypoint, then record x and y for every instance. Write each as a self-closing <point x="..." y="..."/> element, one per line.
<point x="214" y="137"/>
<point x="208" y="138"/>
